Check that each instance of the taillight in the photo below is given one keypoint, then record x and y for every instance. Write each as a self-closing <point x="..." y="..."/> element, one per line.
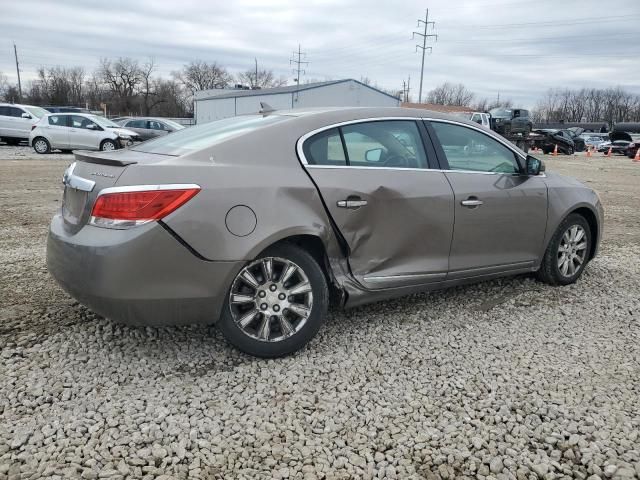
<point x="125" y="207"/>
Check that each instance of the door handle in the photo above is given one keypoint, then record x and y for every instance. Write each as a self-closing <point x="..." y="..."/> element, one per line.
<point x="352" y="203"/>
<point x="472" y="202"/>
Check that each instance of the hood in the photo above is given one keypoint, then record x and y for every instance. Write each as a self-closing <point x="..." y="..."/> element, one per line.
<point x="122" y="131"/>
<point x="575" y="131"/>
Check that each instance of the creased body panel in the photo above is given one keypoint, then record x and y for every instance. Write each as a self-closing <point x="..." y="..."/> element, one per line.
<point x="402" y="235"/>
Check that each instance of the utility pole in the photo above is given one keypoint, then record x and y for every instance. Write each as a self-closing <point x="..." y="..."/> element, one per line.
<point x="408" y="88"/>
<point x="255" y="85"/>
<point x="298" y="62"/>
<point x="15" y="51"/>
<point x="404" y="91"/>
<point x="424" y="47"/>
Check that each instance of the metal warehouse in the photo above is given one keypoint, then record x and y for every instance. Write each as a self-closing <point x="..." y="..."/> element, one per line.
<point x="222" y="103"/>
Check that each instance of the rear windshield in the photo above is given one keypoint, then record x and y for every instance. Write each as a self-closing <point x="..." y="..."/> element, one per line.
<point x="206" y="135"/>
<point x="500" y="112"/>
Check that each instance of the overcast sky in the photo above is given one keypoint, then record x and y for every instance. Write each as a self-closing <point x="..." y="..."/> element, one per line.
<point x="518" y="48"/>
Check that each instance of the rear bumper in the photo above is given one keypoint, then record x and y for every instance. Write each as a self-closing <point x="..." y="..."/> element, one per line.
<point x="141" y="276"/>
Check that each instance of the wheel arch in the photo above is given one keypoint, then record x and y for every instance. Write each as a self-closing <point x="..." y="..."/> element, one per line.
<point x="592" y="219"/>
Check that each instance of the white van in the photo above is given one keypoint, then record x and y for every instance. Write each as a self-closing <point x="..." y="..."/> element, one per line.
<point x="16" y="121"/>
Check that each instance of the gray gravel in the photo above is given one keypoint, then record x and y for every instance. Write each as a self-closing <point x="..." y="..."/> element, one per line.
<point x="507" y="379"/>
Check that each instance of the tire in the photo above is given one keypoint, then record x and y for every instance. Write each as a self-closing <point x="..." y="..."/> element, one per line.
<point x="41" y="145"/>
<point x="108" y="145"/>
<point x="551" y="271"/>
<point x="66" y="151"/>
<point x="284" y="337"/>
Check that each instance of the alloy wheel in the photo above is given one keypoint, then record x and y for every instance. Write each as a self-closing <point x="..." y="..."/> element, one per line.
<point x="572" y="251"/>
<point x="108" y="146"/>
<point x="271" y="299"/>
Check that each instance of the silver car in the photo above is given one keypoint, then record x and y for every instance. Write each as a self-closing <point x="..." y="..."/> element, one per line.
<point x="255" y="222"/>
<point x="149" y="127"/>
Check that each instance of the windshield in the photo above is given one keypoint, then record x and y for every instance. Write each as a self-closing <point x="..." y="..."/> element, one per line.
<point x="206" y="135"/>
<point x="501" y="112"/>
<point x="37" y="111"/>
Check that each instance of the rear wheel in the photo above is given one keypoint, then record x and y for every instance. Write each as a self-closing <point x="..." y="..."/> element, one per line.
<point x="567" y="253"/>
<point x="108" y="145"/>
<point x="276" y="304"/>
<point x="41" y="145"/>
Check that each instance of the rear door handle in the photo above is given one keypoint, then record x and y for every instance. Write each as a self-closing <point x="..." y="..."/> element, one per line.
<point x="352" y="203"/>
<point x="472" y="202"/>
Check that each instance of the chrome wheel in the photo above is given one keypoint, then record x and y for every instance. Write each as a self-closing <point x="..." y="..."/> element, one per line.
<point x="41" y="146"/>
<point x="572" y="251"/>
<point x="271" y="299"/>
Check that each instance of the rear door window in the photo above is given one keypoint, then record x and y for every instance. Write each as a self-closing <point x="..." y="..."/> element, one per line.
<point x="58" y="120"/>
<point x="392" y="144"/>
<point x="136" y="124"/>
<point x="155" y="125"/>
<point x="325" y="148"/>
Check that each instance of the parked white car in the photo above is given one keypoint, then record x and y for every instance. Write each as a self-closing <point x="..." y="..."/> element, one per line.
<point x="68" y="131"/>
<point x="16" y="121"/>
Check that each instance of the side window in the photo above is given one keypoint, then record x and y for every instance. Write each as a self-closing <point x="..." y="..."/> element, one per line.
<point x="325" y="148"/>
<point x="15" y="112"/>
<point x="393" y="143"/>
<point x="58" y="120"/>
<point x="137" y="124"/>
<point x="4" y="111"/>
<point x="154" y="125"/>
<point x="468" y="149"/>
<point x="81" y="122"/>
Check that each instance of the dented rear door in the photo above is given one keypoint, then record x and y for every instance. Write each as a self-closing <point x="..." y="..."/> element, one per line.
<point x="397" y="220"/>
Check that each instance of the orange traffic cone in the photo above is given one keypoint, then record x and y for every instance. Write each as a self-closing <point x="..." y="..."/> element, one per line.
<point x="589" y="151"/>
<point x="555" y="151"/>
<point x="608" y="154"/>
<point x="637" y="157"/>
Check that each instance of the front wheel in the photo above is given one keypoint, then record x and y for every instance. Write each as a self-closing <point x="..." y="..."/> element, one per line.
<point x="108" y="145"/>
<point x="567" y="253"/>
<point x="276" y="304"/>
<point x="41" y="145"/>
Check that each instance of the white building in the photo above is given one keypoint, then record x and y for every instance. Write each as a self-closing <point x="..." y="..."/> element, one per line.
<point x="221" y="103"/>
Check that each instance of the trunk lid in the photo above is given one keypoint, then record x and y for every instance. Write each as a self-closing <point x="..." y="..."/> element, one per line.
<point x="88" y="175"/>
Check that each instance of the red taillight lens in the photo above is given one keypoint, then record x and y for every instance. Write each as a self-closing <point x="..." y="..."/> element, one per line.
<point x="141" y="205"/>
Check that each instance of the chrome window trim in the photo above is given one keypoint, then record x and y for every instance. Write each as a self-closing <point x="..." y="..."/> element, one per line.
<point x="76" y="182"/>
<point x="306" y="136"/>
<point x="148" y="188"/>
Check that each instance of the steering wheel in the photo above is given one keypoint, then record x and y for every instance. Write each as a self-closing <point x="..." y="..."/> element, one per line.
<point x="396" y="161"/>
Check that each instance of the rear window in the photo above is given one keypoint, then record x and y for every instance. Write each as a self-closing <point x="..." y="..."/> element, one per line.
<point x="203" y="136"/>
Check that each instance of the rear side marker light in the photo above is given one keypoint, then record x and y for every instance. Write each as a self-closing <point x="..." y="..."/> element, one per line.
<point x="32" y="127"/>
<point x="126" y="207"/>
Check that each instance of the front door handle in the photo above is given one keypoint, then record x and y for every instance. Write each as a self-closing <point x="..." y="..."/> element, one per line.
<point x="472" y="202"/>
<point x="353" y="203"/>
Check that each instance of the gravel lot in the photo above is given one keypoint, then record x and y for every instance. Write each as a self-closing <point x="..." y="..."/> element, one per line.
<point x="507" y="379"/>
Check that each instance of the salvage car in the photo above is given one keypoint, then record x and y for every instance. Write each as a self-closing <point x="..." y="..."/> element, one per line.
<point x="254" y="222"/>
<point x="568" y="141"/>
<point x="17" y="120"/>
<point x="65" y="131"/>
<point x="150" y="127"/>
<point x="507" y="121"/>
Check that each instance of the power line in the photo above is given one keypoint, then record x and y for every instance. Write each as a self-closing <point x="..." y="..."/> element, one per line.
<point x="424" y="47"/>
<point x="298" y="63"/>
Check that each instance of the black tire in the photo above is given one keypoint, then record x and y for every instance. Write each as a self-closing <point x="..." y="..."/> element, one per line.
<point x="41" y="141"/>
<point x="236" y="336"/>
<point x="66" y="151"/>
<point x="546" y="151"/>
<point x="549" y="271"/>
<point x="104" y="146"/>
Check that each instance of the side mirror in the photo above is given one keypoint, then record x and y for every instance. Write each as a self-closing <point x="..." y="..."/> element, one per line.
<point x="92" y="126"/>
<point x="534" y="166"/>
<point x="26" y="115"/>
<point x="373" y="155"/>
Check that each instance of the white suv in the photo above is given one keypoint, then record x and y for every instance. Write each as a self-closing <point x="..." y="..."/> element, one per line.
<point x="67" y="131"/>
<point x="16" y="121"/>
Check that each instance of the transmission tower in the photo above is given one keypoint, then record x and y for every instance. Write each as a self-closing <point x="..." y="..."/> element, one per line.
<point x="424" y="47"/>
<point x="298" y="62"/>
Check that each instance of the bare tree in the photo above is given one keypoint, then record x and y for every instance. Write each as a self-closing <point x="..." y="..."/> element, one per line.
<point x="4" y="86"/>
<point x="199" y="75"/>
<point x="261" y="78"/>
<point x="122" y="77"/>
<point x="450" y="94"/>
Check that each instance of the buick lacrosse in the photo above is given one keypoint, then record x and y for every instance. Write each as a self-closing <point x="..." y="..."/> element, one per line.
<point x="254" y="222"/>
